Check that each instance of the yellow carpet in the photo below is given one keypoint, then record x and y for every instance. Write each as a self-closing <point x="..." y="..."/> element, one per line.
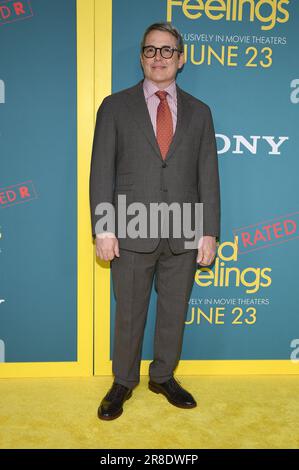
<point x="233" y="412"/>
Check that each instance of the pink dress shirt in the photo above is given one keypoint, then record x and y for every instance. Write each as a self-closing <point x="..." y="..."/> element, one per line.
<point x="152" y="101"/>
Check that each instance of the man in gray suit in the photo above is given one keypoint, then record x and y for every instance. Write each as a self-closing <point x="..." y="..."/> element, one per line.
<point x="153" y="143"/>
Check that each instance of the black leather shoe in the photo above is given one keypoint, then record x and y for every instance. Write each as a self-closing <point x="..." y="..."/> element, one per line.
<point x="111" y="406"/>
<point x="174" y="393"/>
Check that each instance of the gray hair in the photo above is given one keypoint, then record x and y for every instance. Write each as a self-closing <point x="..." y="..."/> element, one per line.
<point x="168" y="28"/>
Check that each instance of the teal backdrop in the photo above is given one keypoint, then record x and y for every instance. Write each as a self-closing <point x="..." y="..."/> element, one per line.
<point x="38" y="224"/>
<point x="246" y="306"/>
<point x="254" y="98"/>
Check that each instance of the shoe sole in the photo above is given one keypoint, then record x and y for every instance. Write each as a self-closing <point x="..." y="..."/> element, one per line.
<point x="157" y="390"/>
<point x="110" y="418"/>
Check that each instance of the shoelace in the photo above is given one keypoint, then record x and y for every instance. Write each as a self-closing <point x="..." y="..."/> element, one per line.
<point x="174" y="384"/>
<point x="116" y="391"/>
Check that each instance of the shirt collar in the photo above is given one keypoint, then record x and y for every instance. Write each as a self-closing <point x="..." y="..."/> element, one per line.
<point x="150" y="89"/>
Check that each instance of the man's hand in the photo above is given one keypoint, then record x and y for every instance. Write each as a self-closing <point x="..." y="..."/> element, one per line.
<point x="107" y="246"/>
<point x="206" y="250"/>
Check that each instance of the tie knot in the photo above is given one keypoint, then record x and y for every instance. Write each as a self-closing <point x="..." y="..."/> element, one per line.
<point x="161" y="94"/>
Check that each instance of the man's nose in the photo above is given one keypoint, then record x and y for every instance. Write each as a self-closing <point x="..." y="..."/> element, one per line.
<point x="158" y="55"/>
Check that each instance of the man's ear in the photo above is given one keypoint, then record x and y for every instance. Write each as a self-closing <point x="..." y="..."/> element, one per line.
<point x="181" y="60"/>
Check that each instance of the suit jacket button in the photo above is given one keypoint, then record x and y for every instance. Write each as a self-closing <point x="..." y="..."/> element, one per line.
<point x="164" y="165"/>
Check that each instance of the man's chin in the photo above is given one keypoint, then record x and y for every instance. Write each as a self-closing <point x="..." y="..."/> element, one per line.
<point x="159" y="75"/>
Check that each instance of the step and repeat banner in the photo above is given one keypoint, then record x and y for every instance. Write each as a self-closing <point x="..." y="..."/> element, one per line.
<point x="242" y="60"/>
<point x="38" y="181"/>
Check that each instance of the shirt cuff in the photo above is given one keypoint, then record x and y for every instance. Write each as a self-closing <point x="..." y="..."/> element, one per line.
<point x="106" y="235"/>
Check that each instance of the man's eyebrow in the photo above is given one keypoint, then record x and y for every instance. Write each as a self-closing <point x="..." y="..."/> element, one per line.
<point x="165" y="45"/>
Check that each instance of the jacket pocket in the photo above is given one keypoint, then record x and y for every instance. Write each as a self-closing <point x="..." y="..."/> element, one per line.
<point x="124" y="180"/>
<point x="191" y="192"/>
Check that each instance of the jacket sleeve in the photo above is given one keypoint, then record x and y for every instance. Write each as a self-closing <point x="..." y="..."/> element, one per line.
<point x="102" y="169"/>
<point x="208" y="178"/>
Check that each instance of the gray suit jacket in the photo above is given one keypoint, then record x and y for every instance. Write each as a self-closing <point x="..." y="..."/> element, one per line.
<point x="126" y="160"/>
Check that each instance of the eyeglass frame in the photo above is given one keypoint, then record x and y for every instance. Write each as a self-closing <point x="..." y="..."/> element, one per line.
<point x="173" y="49"/>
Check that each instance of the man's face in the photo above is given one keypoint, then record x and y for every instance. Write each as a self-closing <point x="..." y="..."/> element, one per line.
<point x="159" y="70"/>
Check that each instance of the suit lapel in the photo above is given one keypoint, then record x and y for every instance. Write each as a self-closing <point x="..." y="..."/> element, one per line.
<point x="138" y="107"/>
<point x="184" y="111"/>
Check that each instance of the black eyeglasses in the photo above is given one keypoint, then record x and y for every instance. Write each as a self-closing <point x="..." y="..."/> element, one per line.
<point x="165" y="51"/>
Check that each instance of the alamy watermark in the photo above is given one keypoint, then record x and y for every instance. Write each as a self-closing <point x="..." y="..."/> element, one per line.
<point x="156" y="219"/>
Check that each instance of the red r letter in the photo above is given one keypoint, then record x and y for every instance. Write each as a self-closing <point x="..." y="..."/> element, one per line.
<point x="19" y="9"/>
<point x="23" y="190"/>
<point x="246" y="239"/>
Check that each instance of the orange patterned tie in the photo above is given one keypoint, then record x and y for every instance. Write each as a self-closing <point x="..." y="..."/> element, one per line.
<point x="164" y="124"/>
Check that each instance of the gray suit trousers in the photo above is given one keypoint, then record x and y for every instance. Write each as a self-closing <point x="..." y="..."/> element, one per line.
<point x="132" y="275"/>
